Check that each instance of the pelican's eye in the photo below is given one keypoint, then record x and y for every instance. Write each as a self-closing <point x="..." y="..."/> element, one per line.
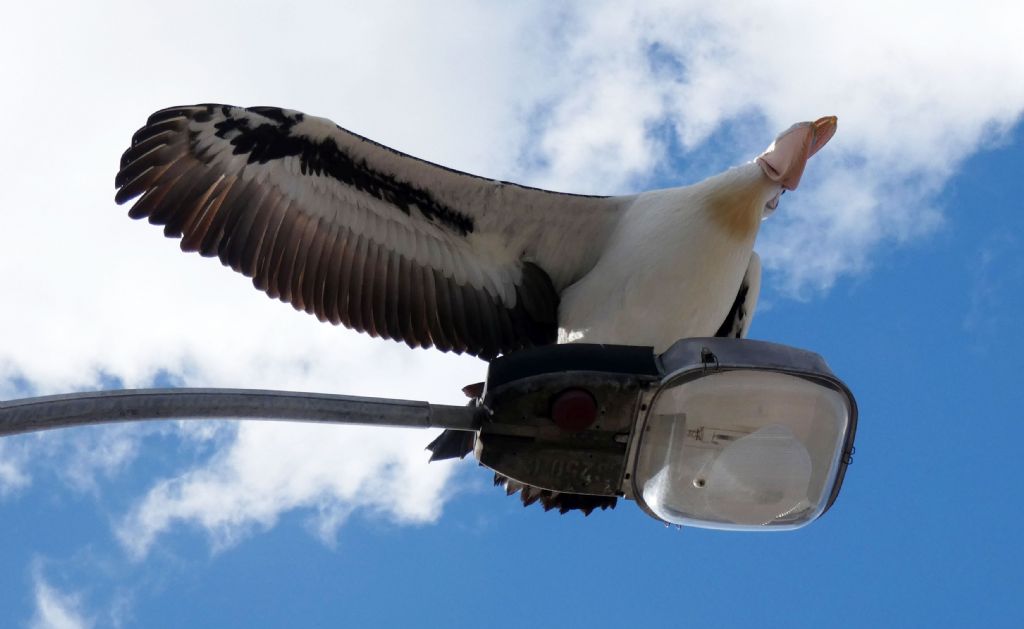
<point x="772" y="203"/>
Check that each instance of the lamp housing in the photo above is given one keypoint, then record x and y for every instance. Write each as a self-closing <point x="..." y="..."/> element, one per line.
<point x="716" y="433"/>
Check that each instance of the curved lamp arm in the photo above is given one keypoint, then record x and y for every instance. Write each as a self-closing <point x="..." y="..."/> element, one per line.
<point x="97" y="407"/>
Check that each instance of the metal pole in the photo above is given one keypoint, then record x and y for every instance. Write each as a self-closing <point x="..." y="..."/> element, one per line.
<point x="97" y="407"/>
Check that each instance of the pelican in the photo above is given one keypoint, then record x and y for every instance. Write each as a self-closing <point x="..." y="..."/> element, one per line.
<point x="358" y="234"/>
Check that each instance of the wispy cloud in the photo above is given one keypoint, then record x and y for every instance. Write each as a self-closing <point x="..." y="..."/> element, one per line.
<point x="594" y="97"/>
<point x="997" y="272"/>
<point x="80" y="458"/>
<point x="99" y="453"/>
<point x="12" y="474"/>
<point x="56" y="609"/>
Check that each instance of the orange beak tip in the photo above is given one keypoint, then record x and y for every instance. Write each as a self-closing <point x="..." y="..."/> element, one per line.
<point x="824" y="129"/>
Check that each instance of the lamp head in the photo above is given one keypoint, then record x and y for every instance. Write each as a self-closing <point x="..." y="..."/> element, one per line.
<point x="717" y="433"/>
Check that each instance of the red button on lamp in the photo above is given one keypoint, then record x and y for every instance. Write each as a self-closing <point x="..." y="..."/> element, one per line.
<point x="574" y="410"/>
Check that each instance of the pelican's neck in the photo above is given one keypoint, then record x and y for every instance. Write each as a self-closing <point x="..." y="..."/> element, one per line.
<point x="735" y="199"/>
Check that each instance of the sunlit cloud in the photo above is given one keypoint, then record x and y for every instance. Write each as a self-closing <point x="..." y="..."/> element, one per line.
<point x="269" y="469"/>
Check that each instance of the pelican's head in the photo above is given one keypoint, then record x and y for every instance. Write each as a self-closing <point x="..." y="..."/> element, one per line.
<point x="784" y="160"/>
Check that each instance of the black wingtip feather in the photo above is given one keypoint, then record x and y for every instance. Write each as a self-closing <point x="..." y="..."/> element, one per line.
<point x="553" y="500"/>
<point x="451" y="444"/>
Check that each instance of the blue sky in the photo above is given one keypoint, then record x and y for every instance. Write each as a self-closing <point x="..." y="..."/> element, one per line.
<point x="899" y="260"/>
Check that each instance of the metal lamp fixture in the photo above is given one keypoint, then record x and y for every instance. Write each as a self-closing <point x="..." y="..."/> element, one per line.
<point x="715" y="432"/>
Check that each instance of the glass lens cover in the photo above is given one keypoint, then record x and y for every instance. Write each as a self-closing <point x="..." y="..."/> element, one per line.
<point x="742" y="450"/>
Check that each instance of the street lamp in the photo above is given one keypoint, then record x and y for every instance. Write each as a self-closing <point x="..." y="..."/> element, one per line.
<point x="715" y="432"/>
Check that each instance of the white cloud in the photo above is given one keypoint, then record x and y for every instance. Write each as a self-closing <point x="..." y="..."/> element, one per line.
<point x="56" y="609"/>
<point x="583" y="98"/>
<point x="12" y="472"/>
<point x="273" y="468"/>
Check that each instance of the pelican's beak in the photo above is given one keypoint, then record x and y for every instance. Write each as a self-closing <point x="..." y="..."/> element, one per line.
<point x="783" y="162"/>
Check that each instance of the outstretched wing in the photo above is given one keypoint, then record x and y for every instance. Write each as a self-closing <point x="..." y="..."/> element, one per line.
<point x="737" y="322"/>
<point x="359" y="234"/>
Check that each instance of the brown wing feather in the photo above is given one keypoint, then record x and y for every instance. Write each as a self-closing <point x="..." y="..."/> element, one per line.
<point x="206" y="188"/>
